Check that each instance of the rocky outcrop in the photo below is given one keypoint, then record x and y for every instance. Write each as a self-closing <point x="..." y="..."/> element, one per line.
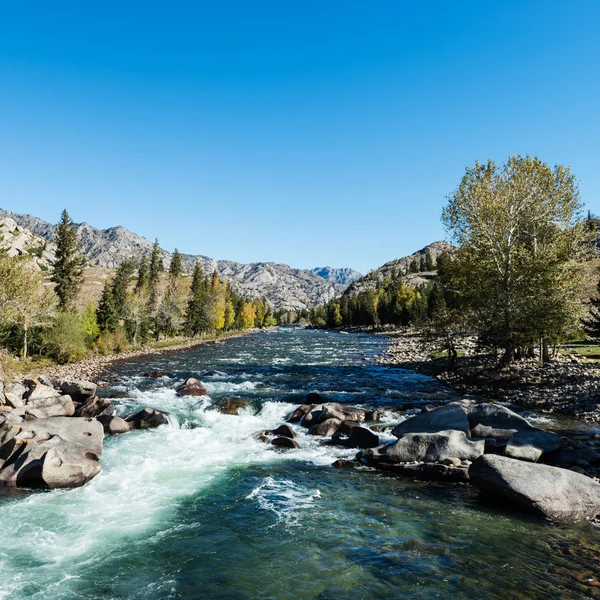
<point x="558" y="494"/>
<point x="56" y="452"/>
<point x="451" y="416"/>
<point x="147" y="418"/>
<point x="16" y="240"/>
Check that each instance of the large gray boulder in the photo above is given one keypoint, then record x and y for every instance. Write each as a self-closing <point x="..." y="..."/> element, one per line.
<point x="429" y="447"/>
<point x="496" y="416"/>
<point x="147" y="418"/>
<point x="94" y="407"/>
<point x="56" y="452"/>
<point x="192" y="387"/>
<point x="44" y="401"/>
<point x="80" y="390"/>
<point x="558" y="494"/>
<point x="451" y="416"/>
<point x="530" y="444"/>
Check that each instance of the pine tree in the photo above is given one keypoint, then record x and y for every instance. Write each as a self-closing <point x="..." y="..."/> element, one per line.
<point x="156" y="268"/>
<point x="176" y="266"/>
<point x="422" y="264"/>
<point x="143" y="277"/>
<point x="108" y="319"/>
<point x="428" y="261"/>
<point x="414" y="266"/>
<point x="67" y="274"/>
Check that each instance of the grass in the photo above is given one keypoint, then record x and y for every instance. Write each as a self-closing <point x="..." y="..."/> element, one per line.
<point x="584" y="349"/>
<point x="13" y="366"/>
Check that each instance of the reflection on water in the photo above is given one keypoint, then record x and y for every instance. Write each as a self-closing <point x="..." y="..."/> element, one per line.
<point x="201" y="509"/>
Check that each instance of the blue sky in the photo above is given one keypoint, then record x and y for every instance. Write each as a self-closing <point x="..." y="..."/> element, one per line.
<point x="309" y="133"/>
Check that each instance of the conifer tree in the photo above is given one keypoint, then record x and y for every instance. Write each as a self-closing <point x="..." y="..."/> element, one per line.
<point x="108" y="319"/>
<point x="155" y="269"/>
<point x="428" y="261"/>
<point x="176" y="266"/>
<point x="143" y="277"/>
<point x="414" y="266"/>
<point x="67" y="272"/>
<point x="422" y="264"/>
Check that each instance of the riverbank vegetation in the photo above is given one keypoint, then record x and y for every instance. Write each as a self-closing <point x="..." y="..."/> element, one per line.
<point x="518" y="278"/>
<point x="141" y="304"/>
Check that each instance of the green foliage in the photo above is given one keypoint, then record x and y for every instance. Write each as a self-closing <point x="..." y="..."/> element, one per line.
<point x="67" y="271"/>
<point x="112" y="342"/>
<point x="65" y="339"/>
<point x="521" y="241"/>
<point x="176" y="266"/>
<point x="89" y="324"/>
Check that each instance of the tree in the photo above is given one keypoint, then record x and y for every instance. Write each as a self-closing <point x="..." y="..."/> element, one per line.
<point x="24" y="301"/>
<point x="591" y="323"/>
<point x="414" y="266"/>
<point x="521" y="238"/>
<point x="67" y="271"/>
<point x="155" y="269"/>
<point x="89" y="324"/>
<point x="143" y="277"/>
<point x="65" y="339"/>
<point x="429" y="266"/>
<point x="176" y="266"/>
<point x="422" y="264"/>
<point x="137" y="314"/>
<point x="108" y="319"/>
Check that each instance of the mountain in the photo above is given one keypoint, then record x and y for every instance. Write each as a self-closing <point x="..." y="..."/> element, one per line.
<point x="16" y="240"/>
<point x="401" y="265"/>
<point x="343" y="277"/>
<point x="281" y="285"/>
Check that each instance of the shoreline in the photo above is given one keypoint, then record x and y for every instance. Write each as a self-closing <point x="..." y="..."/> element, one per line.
<point x="97" y="367"/>
<point x="568" y="385"/>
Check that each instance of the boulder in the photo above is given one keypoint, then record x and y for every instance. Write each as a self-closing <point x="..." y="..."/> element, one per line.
<point x="232" y="406"/>
<point x="114" y="425"/>
<point x="79" y="389"/>
<point x="445" y="418"/>
<point x="284" y="442"/>
<point x="530" y="444"/>
<point x="283" y="431"/>
<point x="299" y="413"/>
<point x="48" y="402"/>
<point x="429" y="447"/>
<point x="94" y="407"/>
<point x="356" y="437"/>
<point x="485" y="432"/>
<point x="427" y="471"/>
<point x="147" y="418"/>
<point x="13" y="400"/>
<point x="56" y="452"/>
<point x="157" y="374"/>
<point x="496" y="417"/>
<point x="312" y="416"/>
<point x="16" y="389"/>
<point x="326" y="428"/>
<point x="192" y="387"/>
<point x="557" y="494"/>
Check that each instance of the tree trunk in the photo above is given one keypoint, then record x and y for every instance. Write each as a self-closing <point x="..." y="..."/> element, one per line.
<point x="25" y="340"/>
<point x="508" y="356"/>
<point x="545" y="353"/>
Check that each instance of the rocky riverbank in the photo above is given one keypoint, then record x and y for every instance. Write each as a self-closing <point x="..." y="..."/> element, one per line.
<point x="568" y="385"/>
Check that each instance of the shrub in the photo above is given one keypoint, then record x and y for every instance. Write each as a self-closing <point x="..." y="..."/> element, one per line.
<point x="112" y="342"/>
<point x="65" y="339"/>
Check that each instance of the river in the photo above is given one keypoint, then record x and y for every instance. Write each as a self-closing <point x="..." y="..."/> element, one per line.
<point x="199" y="508"/>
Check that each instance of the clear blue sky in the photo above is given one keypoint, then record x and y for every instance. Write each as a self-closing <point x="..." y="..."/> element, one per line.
<point x="310" y="133"/>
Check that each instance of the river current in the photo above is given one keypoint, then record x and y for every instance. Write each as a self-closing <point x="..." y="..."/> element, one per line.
<point x="200" y="508"/>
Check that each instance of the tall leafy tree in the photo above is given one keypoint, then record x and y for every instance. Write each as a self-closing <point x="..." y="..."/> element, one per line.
<point x="521" y="239"/>
<point x="67" y="271"/>
<point x="24" y="301"/>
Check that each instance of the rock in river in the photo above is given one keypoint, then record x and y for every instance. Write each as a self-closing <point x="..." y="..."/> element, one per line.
<point x="451" y="416"/>
<point x="147" y="418"/>
<point x="192" y="387"/>
<point x="558" y="494"/>
<point x="57" y="452"/>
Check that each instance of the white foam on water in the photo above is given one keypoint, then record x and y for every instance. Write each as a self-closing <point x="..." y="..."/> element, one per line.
<point x="289" y="501"/>
<point x="145" y="476"/>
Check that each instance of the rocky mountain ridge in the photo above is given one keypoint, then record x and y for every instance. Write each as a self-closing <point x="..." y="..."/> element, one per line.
<point x="401" y="265"/>
<point x="16" y="240"/>
<point x="282" y="285"/>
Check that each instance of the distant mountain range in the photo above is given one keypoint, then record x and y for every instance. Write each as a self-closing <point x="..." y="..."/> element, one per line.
<point x="282" y="285"/>
<point x="344" y="276"/>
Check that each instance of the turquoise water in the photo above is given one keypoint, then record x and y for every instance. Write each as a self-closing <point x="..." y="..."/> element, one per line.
<point x="201" y="509"/>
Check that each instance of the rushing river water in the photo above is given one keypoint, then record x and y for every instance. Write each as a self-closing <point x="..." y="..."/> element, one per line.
<point x="201" y="509"/>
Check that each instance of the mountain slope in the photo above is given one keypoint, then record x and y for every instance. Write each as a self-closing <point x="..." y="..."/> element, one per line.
<point x="343" y="277"/>
<point x="401" y="265"/>
<point x="281" y="285"/>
